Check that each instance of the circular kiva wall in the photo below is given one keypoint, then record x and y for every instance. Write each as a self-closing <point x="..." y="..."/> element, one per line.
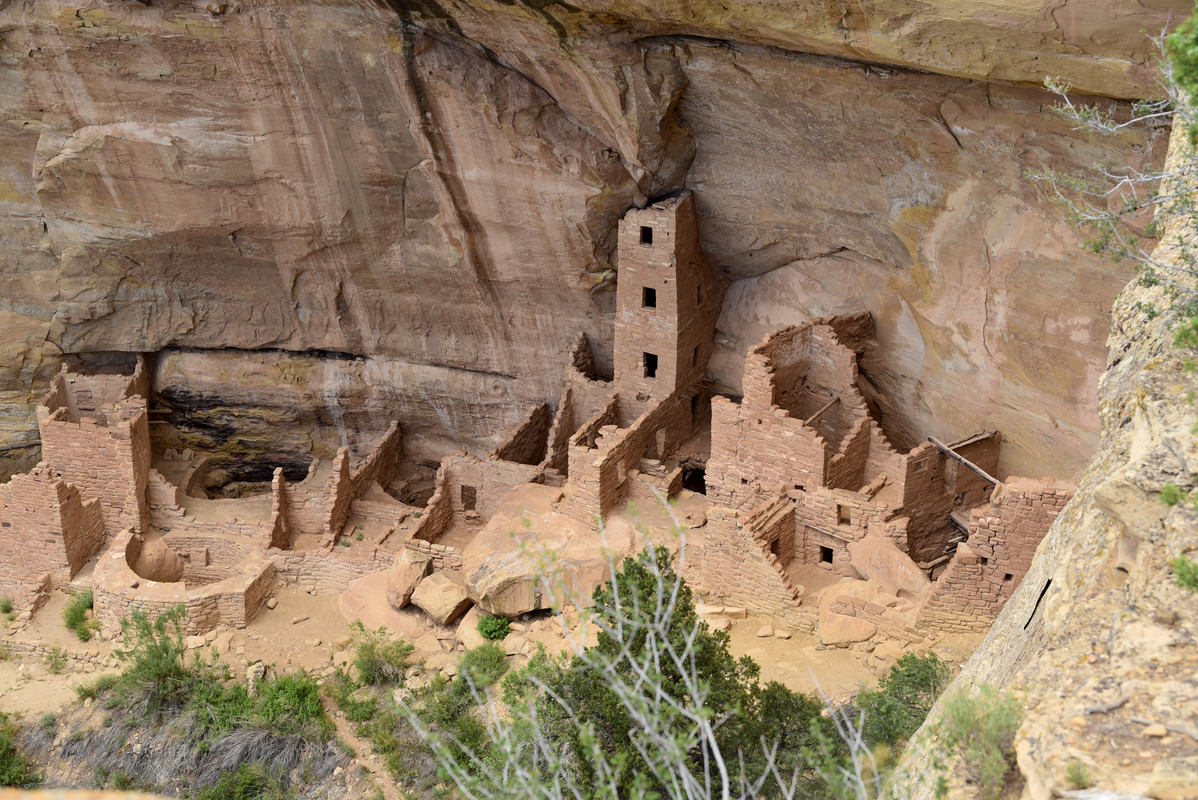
<point x="217" y="581"/>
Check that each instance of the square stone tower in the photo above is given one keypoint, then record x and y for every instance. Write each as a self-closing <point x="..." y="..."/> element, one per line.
<point x="667" y="303"/>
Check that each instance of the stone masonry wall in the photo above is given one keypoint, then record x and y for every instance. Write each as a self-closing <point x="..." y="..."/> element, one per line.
<point x="528" y="444"/>
<point x="379" y="464"/>
<point x="45" y="529"/>
<point x="438" y="512"/>
<point x="667" y="303"/>
<point x="986" y="570"/>
<point x="328" y="573"/>
<point x="108" y="462"/>
<point x="738" y="566"/>
<point x="599" y="474"/>
<point x="476" y="485"/>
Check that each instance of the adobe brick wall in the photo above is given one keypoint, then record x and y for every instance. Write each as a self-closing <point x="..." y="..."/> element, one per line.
<point x="1003" y="538"/>
<point x="528" y="443"/>
<point x="320" y="509"/>
<point x="117" y="590"/>
<point x="45" y="530"/>
<point x="280" y="522"/>
<point x="557" y="456"/>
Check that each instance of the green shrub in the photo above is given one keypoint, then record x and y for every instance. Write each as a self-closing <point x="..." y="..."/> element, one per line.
<point x="492" y="627"/>
<point x="900" y="704"/>
<point x="15" y="768"/>
<point x="482" y="666"/>
<point x="155" y="676"/>
<point x="56" y="660"/>
<point x="980" y="728"/>
<point x="5" y="605"/>
<point x="341" y="688"/>
<point x="75" y="615"/>
<point x="1078" y="775"/>
<point x="379" y="659"/>
<point x="1185" y="572"/>
<point x="290" y="705"/>
<point x="249" y="782"/>
<point x="1171" y="494"/>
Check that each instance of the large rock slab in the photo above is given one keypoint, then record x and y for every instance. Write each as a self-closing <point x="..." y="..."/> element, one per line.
<point x="836" y="629"/>
<point x="528" y="557"/>
<point x="441" y="598"/>
<point x="410" y="568"/>
<point x="877" y="559"/>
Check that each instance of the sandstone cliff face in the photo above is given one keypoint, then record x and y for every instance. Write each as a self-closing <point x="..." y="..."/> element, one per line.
<point x="1100" y="620"/>
<point x="430" y="192"/>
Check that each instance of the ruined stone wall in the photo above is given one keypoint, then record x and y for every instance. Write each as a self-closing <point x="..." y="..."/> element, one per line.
<point x="280" y="522"/>
<point x="379" y="464"/>
<point x="330" y="572"/>
<point x="737" y="564"/>
<point x="45" y="530"/>
<point x="207" y="558"/>
<point x="751" y="448"/>
<point x="558" y="439"/>
<point x="109" y="462"/>
<point x="476" y="485"/>
<point x="599" y="474"/>
<point x="444" y="557"/>
<point x="583" y="457"/>
<point x="846" y="469"/>
<point x="832" y="518"/>
<point x="985" y="571"/>
<point x="321" y="510"/>
<point x="117" y="590"/>
<point x="438" y="512"/>
<point x="967" y="488"/>
<point x="528" y="444"/>
<point x="927" y="504"/>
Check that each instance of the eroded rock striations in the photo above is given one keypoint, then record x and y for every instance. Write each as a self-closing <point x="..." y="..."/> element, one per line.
<point x="318" y="203"/>
<point x="1099" y="638"/>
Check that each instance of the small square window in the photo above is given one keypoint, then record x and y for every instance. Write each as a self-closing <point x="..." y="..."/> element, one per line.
<point x="648" y="298"/>
<point x="646" y="236"/>
<point x="825" y="555"/>
<point x="843" y="515"/>
<point x="1007" y="577"/>
<point x="650" y="365"/>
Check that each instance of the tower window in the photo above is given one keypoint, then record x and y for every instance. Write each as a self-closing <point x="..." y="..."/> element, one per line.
<point x="699" y="295"/>
<point x="843" y="515"/>
<point x="695" y="357"/>
<point x="650" y="365"/>
<point x="469" y="498"/>
<point x="648" y="298"/>
<point x="646" y="236"/>
<point x="825" y="555"/>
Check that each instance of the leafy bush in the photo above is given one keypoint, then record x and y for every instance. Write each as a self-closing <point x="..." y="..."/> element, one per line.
<point x="75" y="615"/>
<point x="15" y="768"/>
<point x="5" y="605"/>
<point x="1171" y="494"/>
<point x="980" y="728"/>
<point x="900" y="704"/>
<point x="380" y="659"/>
<point x="1185" y="572"/>
<point x="96" y="687"/>
<point x="492" y="627"/>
